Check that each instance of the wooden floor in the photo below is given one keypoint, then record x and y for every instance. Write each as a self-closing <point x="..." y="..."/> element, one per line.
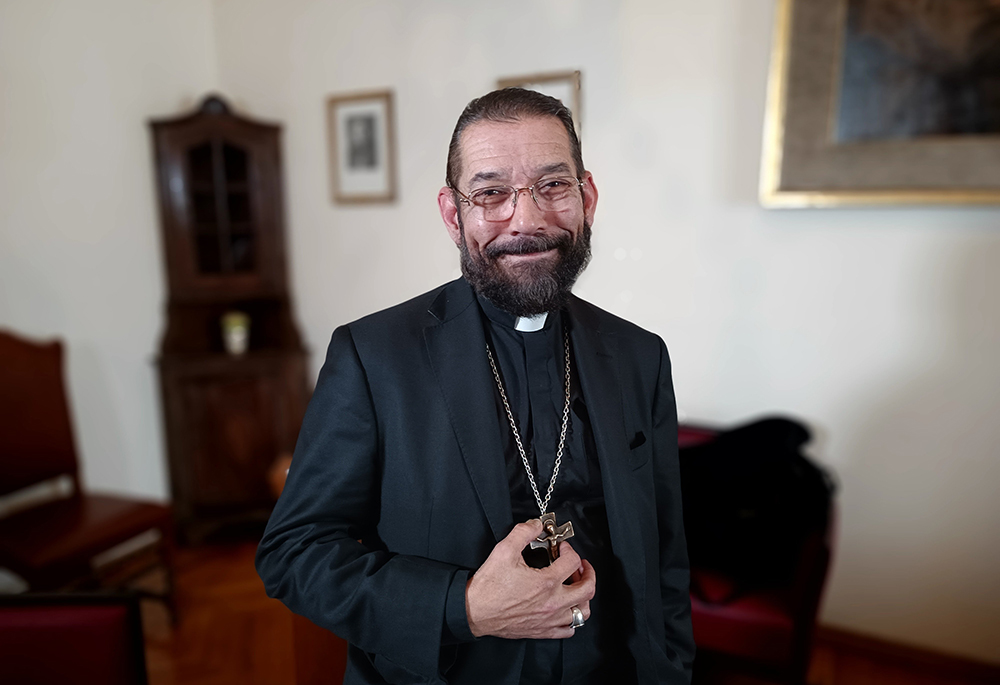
<point x="230" y="632"/>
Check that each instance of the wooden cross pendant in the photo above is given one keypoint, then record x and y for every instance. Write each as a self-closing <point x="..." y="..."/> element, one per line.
<point x="552" y="536"/>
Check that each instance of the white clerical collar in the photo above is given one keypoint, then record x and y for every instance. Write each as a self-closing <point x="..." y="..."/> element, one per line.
<point x="530" y="324"/>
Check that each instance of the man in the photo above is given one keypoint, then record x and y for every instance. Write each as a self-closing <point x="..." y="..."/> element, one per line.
<point x="438" y="423"/>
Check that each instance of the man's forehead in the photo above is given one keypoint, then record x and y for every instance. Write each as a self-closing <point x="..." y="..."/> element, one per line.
<point x="492" y="150"/>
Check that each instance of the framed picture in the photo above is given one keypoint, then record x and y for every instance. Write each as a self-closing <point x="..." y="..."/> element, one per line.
<point x="563" y="85"/>
<point x="883" y="102"/>
<point x="362" y="148"/>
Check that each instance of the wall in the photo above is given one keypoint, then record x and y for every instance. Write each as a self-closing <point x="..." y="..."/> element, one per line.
<point x="79" y="241"/>
<point x="878" y="327"/>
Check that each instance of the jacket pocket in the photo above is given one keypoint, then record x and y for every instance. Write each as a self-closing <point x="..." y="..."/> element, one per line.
<point x="638" y="453"/>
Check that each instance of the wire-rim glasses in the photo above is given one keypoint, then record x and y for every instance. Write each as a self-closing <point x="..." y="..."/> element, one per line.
<point x="550" y="194"/>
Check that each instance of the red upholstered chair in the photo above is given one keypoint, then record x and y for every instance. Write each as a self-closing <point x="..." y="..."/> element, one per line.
<point x="764" y="630"/>
<point x="57" y="544"/>
<point x="69" y="638"/>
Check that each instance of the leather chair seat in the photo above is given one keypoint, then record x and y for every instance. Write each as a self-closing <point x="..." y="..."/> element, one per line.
<point x="53" y="534"/>
<point x="756" y="625"/>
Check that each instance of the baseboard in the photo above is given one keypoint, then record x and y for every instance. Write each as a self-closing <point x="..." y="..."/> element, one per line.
<point x="946" y="665"/>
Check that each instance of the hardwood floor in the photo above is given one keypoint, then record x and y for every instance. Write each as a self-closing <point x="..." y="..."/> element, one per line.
<point x="841" y="657"/>
<point x="231" y="633"/>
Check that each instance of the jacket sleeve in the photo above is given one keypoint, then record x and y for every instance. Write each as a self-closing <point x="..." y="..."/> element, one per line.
<point x="674" y="568"/>
<point x="321" y="554"/>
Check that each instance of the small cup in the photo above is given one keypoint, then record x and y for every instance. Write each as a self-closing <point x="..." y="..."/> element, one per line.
<point x="236" y="332"/>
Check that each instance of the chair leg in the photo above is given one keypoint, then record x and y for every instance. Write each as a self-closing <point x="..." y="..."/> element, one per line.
<point x="162" y="557"/>
<point x="167" y="555"/>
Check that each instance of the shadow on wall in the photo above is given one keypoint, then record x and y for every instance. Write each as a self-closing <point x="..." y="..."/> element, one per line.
<point x="923" y="503"/>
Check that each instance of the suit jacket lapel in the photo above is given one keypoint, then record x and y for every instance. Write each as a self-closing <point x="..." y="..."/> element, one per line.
<point x="596" y="357"/>
<point x="456" y="346"/>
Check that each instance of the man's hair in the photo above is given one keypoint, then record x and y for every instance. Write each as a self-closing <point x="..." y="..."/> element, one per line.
<point x="507" y="105"/>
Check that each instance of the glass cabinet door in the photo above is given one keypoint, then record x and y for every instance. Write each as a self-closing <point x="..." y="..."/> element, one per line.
<point x="222" y="221"/>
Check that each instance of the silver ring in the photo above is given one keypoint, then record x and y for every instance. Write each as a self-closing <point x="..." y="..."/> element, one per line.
<point x="577" y="617"/>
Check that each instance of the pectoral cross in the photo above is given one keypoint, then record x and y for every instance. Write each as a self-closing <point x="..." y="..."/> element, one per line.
<point x="552" y="536"/>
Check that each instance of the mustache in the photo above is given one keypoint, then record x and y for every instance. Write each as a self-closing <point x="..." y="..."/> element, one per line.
<point x="528" y="244"/>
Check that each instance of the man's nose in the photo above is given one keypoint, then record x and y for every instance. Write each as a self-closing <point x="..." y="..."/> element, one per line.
<point x="527" y="217"/>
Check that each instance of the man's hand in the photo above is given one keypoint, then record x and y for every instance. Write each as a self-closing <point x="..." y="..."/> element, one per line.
<point x="507" y="598"/>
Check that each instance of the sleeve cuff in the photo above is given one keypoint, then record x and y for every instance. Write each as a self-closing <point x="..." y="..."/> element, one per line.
<point x="456" y="621"/>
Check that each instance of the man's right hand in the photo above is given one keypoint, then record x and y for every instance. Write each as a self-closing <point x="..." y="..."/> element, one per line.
<point x="507" y="598"/>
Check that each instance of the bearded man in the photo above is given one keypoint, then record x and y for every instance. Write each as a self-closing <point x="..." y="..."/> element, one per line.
<point x="498" y="397"/>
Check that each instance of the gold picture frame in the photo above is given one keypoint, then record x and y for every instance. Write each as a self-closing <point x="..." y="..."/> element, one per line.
<point x="361" y="133"/>
<point x="805" y="165"/>
<point x="562" y="85"/>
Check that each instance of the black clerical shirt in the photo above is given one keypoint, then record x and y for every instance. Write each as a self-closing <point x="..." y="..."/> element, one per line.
<point x="532" y="368"/>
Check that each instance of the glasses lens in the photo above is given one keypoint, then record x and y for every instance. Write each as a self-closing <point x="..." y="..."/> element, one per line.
<point x="552" y="193"/>
<point x="495" y="202"/>
<point x="491" y="197"/>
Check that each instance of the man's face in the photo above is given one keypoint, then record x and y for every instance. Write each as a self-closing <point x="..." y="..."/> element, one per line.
<point x="525" y="264"/>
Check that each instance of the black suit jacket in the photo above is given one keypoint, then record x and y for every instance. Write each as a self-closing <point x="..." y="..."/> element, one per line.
<point x="398" y="482"/>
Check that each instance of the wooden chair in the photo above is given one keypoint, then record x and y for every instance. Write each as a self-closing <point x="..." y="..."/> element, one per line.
<point x="53" y="545"/>
<point x="71" y="638"/>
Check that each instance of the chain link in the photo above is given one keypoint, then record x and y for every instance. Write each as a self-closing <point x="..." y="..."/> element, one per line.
<point x="542" y="504"/>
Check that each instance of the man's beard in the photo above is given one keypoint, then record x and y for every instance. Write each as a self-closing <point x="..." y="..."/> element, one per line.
<point x="532" y="287"/>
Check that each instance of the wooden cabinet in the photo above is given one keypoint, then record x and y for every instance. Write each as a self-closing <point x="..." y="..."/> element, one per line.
<point x="227" y="416"/>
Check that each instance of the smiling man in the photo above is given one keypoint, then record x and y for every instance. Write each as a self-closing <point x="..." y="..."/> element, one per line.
<point x="494" y="399"/>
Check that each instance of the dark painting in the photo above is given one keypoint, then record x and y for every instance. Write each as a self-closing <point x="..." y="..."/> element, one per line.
<point x="915" y="68"/>
<point x="362" y="150"/>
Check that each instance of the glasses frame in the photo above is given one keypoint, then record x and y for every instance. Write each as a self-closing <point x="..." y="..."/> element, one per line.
<point x="516" y="193"/>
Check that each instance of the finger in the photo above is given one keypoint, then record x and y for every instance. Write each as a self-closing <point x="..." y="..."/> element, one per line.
<point x="562" y="633"/>
<point x="563" y="617"/>
<point x="563" y="620"/>
<point x="567" y="563"/>
<point x="522" y="534"/>
<point x="583" y="590"/>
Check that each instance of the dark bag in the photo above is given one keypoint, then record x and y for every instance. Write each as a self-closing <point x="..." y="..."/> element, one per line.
<point x="750" y="500"/>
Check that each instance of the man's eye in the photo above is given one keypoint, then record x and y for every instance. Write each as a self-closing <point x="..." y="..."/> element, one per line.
<point x="555" y="184"/>
<point x="490" y="196"/>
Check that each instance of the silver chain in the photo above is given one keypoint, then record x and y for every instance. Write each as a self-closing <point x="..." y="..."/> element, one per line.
<point x="542" y="504"/>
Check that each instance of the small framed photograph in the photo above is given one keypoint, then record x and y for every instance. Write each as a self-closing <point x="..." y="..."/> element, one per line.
<point x="563" y="85"/>
<point x="883" y="102"/>
<point x="362" y="147"/>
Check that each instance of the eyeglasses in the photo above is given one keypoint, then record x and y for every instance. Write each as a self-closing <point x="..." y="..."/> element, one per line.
<point x="550" y="194"/>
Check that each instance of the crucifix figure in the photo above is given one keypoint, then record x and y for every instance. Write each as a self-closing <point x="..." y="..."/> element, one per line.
<point x="552" y="536"/>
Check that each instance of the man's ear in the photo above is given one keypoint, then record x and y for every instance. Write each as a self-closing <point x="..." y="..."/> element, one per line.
<point x="589" y="197"/>
<point x="449" y="213"/>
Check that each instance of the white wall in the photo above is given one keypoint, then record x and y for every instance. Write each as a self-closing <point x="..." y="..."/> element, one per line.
<point x="879" y="327"/>
<point x="79" y="242"/>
